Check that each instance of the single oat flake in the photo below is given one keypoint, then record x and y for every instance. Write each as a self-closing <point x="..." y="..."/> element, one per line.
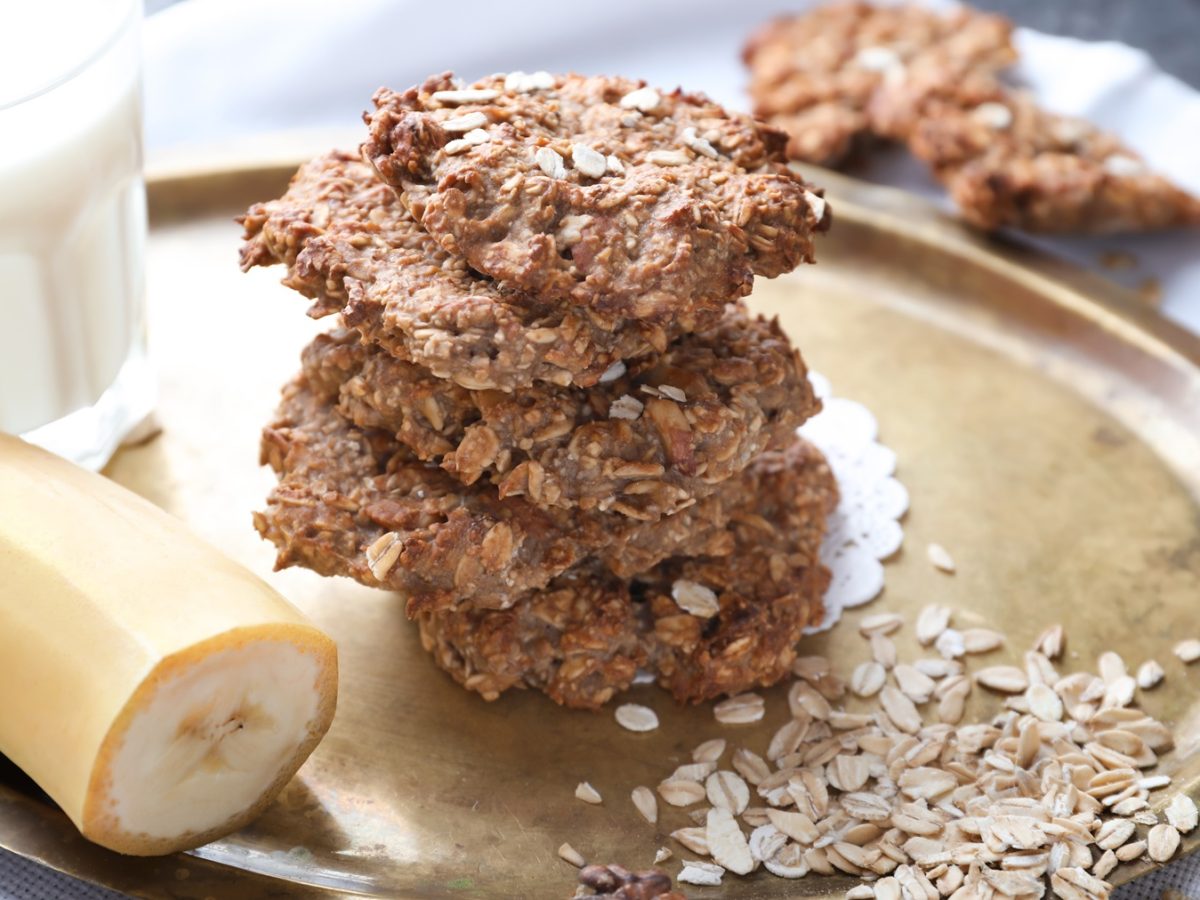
<point x="740" y="710"/>
<point x="587" y="793"/>
<point x="636" y="717"/>
<point x="645" y="802"/>
<point x="941" y="558"/>
<point x="1188" y="651"/>
<point x="570" y="854"/>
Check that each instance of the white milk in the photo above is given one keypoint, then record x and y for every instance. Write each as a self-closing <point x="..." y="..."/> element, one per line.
<point x="72" y="226"/>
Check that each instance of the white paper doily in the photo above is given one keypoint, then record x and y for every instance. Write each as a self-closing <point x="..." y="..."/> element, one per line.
<point x="865" y="527"/>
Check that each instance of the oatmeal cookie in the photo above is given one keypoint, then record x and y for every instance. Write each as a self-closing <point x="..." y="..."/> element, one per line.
<point x="656" y="435"/>
<point x="598" y="191"/>
<point x="582" y="639"/>
<point x="1008" y="162"/>
<point x="356" y="502"/>
<point x="351" y="247"/>
<point x="814" y="74"/>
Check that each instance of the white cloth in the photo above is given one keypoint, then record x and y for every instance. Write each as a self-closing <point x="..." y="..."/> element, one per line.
<point x="228" y="69"/>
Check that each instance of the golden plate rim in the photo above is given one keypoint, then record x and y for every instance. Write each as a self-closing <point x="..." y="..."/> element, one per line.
<point x="35" y="831"/>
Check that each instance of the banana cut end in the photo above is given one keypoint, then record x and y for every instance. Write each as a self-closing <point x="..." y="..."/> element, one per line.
<point x="210" y="737"/>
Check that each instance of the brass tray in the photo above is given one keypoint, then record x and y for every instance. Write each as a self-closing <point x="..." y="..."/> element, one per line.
<point x="1047" y="428"/>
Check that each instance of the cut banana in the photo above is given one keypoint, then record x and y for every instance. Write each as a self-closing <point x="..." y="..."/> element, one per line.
<point x="160" y="693"/>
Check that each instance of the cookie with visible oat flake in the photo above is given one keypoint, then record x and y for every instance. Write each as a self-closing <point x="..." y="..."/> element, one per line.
<point x="655" y="435"/>
<point x="814" y="74"/>
<point x="582" y="639"/>
<point x="350" y="246"/>
<point x="1008" y="162"/>
<point x="356" y="502"/>
<point x="601" y="192"/>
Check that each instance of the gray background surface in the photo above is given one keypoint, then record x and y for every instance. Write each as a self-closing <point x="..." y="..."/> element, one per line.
<point x="1169" y="30"/>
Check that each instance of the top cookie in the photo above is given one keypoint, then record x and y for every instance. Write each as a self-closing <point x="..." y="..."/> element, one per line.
<point x="814" y="74"/>
<point x="599" y="191"/>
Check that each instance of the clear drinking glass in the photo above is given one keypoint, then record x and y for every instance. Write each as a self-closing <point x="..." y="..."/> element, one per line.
<point x="73" y="371"/>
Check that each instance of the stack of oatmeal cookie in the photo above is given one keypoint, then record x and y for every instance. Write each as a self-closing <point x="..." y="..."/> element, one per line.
<point x="545" y="417"/>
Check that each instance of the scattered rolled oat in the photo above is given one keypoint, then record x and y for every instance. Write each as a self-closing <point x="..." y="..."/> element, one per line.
<point x="867" y="679"/>
<point x="765" y="841"/>
<point x="570" y="854"/>
<point x="1130" y="851"/>
<point x="1189" y="650"/>
<point x="981" y="640"/>
<point x="900" y="710"/>
<point x="931" y="622"/>
<point x="883" y="650"/>
<point x="740" y="710"/>
<point x="1050" y="642"/>
<point x="750" y="765"/>
<point x="950" y="644"/>
<point x="726" y="843"/>
<point x="1111" y="667"/>
<point x="1006" y="679"/>
<point x="1044" y="703"/>
<point x="647" y="805"/>
<point x="1162" y="842"/>
<point x="1149" y="674"/>
<point x="880" y="623"/>
<point x="938" y="668"/>
<point x="694" y="771"/>
<point x="726" y="790"/>
<point x="681" y="791"/>
<point x="797" y="826"/>
<point x="941" y="558"/>
<point x="811" y="668"/>
<point x="694" y="838"/>
<point x="1182" y="814"/>
<point x="662" y="855"/>
<point x="636" y="717"/>
<point x="709" y="751"/>
<point x="700" y="873"/>
<point x="917" y="686"/>
<point x="1052" y="787"/>
<point x="587" y="793"/>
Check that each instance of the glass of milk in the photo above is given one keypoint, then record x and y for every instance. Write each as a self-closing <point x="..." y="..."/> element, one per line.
<point x="73" y="371"/>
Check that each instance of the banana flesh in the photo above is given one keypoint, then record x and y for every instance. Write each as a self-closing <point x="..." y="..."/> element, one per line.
<point x="160" y="693"/>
